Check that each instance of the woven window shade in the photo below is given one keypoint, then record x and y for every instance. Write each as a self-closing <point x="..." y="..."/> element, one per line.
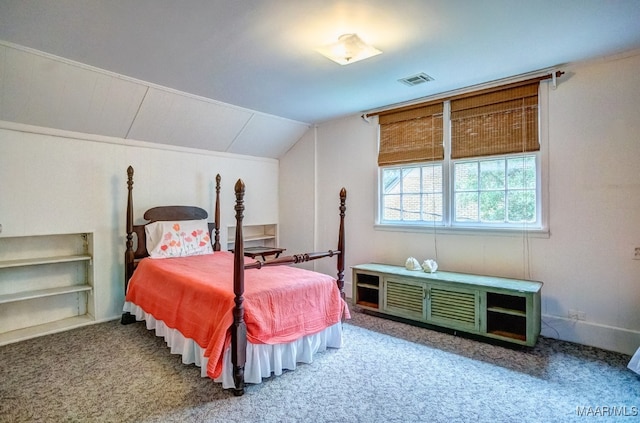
<point x="414" y="135"/>
<point x="498" y="122"/>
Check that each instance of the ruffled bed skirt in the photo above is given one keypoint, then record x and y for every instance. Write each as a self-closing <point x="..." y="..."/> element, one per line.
<point x="262" y="361"/>
<point x="634" y="364"/>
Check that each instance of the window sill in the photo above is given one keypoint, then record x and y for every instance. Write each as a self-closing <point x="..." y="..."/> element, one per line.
<point x="475" y="231"/>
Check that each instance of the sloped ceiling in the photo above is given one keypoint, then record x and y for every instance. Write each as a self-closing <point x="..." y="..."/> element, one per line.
<point x="47" y="91"/>
<point x="244" y="76"/>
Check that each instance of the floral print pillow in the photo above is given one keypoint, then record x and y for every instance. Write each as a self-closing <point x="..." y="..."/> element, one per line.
<point x="178" y="239"/>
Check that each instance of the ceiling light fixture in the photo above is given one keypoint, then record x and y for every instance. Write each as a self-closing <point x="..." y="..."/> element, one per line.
<point x="348" y="49"/>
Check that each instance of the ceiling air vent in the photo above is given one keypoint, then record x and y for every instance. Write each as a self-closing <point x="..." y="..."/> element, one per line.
<point x="416" y="79"/>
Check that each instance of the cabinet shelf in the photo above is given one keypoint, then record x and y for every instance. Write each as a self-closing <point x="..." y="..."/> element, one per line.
<point x="509" y="311"/>
<point x="504" y="334"/>
<point x="369" y="286"/>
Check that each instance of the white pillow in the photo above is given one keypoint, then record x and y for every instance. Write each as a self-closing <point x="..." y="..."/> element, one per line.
<point x="178" y="239"/>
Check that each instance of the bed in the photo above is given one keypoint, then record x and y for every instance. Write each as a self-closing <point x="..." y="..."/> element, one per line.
<point x="238" y="319"/>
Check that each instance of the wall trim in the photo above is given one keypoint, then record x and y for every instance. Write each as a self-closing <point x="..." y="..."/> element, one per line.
<point x="61" y="133"/>
<point x="609" y="338"/>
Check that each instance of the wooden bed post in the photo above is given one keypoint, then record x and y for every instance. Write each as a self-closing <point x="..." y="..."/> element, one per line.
<point x="129" y="254"/>
<point x="216" y="237"/>
<point x="239" y="328"/>
<point x="340" y="260"/>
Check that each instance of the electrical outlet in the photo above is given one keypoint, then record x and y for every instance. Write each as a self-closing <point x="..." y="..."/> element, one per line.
<point x="636" y="253"/>
<point x="577" y="315"/>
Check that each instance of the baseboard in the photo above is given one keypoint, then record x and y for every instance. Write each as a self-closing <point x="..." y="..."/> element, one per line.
<point x="588" y="333"/>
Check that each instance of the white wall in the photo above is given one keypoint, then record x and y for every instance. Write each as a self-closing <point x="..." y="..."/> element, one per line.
<point x="586" y="263"/>
<point x="61" y="182"/>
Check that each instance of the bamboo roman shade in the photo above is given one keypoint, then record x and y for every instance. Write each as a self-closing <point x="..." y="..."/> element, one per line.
<point x="501" y="121"/>
<point x="411" y="135"/>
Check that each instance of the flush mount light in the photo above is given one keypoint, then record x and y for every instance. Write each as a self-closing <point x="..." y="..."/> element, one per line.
<point x="348" y="49"/>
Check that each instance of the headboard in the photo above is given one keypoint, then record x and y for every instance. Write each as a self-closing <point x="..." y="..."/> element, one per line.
<point x="163" y="213"/>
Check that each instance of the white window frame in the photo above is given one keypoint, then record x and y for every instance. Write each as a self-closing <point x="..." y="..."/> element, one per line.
<point x="447" y="225"/>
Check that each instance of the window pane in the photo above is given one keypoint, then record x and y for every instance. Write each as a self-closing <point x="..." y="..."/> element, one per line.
<point x="466" y="207"/>
<point x="522" y="206"/>
<point x="492" y="174"/>
<point x="391" y="207"/>
<point x="391" y="181"/>
<point x="521" y="172"/>
<point x="432" y="179"/>
<point x="411" y="180"/>
<point x="411" y="207"/>
<point x="432" y="207"/>
<point x="466" y="176"/>
<point x="492" y="206"/>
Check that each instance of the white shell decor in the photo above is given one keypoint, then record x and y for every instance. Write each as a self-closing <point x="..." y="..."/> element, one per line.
<point x="412" y="264"/>
<point x="429" y="266"/>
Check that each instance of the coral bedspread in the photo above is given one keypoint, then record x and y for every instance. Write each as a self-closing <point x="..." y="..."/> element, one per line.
<point x="195" y="296"/>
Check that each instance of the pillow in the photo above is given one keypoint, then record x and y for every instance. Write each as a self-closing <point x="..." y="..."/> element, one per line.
<point x="178" y="239"/>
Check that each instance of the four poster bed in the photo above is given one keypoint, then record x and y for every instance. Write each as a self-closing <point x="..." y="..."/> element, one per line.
<point x="238" y="319"/>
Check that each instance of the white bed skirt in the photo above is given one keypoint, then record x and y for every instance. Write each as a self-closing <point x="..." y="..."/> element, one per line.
<point x="634" y="364"/>
<point x="263" y="360"/>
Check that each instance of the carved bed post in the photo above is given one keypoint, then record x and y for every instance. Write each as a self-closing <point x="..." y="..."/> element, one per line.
<point x="216" y="237"/>
<point x="238" y="329"/>
<point x="129" y="255"/>
<point x="340" y="261"/>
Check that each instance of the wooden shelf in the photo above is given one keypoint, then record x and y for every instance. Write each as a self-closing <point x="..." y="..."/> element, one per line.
<point x="366" y="285"/>
<point x="509" y="311"/>
<point x="367" y="304"/>
<point x="511" y="335"/>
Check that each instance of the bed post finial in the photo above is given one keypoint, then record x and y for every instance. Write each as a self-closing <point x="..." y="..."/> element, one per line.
<point x="216" y="231"/>
<point x="343" y="208"/>
<point x="239" y="328"/>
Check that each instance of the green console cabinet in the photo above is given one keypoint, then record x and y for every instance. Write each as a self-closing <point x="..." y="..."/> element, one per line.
<point x="498" y="308"/>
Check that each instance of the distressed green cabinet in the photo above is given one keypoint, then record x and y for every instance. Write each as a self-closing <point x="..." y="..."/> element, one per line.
<point x="499" y="308"/>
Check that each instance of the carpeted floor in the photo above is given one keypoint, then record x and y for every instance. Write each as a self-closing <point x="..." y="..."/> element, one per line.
<point x="387" y="372"/>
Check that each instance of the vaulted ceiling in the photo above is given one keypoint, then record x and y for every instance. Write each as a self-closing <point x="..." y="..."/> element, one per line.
<point x="244" y="76"/>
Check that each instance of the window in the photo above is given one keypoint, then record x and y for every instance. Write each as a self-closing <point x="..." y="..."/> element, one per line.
<point x="412" y="194"/>
<point x="495" y="191"/>
<point x="483" y="172"/>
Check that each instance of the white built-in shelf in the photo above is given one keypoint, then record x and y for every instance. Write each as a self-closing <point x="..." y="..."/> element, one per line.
<point x="254" y="238"/>
<point x="45" y="329"/>
<point x="46" y="284"/>
<point x="4" y="264"/>
<point x="41" y="293"/>
<point x="261" y="235"/>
